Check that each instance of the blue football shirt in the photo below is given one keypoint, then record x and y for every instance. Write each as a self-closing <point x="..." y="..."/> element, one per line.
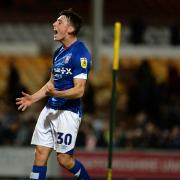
<point x="69" y="63"/>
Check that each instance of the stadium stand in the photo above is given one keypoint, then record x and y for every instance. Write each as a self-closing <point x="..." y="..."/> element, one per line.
<point x="148" y="87"/>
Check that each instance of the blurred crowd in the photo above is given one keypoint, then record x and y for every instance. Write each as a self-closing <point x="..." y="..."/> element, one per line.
<point x="147" y="108"/>
<point x="147" y="112"/>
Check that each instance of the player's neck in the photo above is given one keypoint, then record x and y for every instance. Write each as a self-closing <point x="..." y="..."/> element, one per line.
<point x="69" y="42"/>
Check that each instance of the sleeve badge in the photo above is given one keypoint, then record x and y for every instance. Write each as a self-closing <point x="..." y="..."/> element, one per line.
<point x="83" y="62"/>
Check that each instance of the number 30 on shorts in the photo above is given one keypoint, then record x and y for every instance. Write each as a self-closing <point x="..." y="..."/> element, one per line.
<point x="64" y="138"/>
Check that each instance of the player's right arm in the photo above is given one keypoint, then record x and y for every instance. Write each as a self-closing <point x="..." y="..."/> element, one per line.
<point x="27" y="100"/>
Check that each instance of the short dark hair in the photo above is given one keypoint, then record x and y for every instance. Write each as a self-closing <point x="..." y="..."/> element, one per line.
<point x="75" y="19"/>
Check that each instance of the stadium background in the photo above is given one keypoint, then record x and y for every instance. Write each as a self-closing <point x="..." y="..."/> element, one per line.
<point x="147" y="133"/>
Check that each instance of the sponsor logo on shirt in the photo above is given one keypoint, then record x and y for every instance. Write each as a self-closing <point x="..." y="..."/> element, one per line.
<point x="63" y="70"/>
<point x="59" y="72"/>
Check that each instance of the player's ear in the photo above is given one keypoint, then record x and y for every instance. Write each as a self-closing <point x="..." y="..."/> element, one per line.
<point x="71" y="30"/>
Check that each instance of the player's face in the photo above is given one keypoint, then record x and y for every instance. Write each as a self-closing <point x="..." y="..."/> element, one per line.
<point x="61" y="27"/>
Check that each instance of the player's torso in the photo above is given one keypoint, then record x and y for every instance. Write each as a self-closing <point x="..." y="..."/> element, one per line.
<point x="65" y="69"/>
<point x="62" y="72"/>
<point x="62" y="69"/>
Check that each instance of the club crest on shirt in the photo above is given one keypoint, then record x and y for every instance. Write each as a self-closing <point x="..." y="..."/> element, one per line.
<point x="67" y="58"/>
<point x="83" y="62"/>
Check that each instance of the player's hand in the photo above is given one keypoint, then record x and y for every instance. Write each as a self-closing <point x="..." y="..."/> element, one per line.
<point x="24" y="102"/>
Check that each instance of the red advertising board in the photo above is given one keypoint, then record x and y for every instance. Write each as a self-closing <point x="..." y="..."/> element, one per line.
<point x="136" y="164"/>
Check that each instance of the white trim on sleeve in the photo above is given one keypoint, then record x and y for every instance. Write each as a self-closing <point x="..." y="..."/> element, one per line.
<point x="81" y="76"/>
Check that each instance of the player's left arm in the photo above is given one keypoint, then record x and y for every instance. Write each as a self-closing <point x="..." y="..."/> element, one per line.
<point x="73" y="93"/>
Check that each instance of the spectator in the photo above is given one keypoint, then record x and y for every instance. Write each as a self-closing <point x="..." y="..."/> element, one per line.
<point x="15" y="86"/>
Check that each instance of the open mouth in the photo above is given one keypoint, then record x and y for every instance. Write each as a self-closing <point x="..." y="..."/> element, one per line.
<point x="55" y="31"/>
